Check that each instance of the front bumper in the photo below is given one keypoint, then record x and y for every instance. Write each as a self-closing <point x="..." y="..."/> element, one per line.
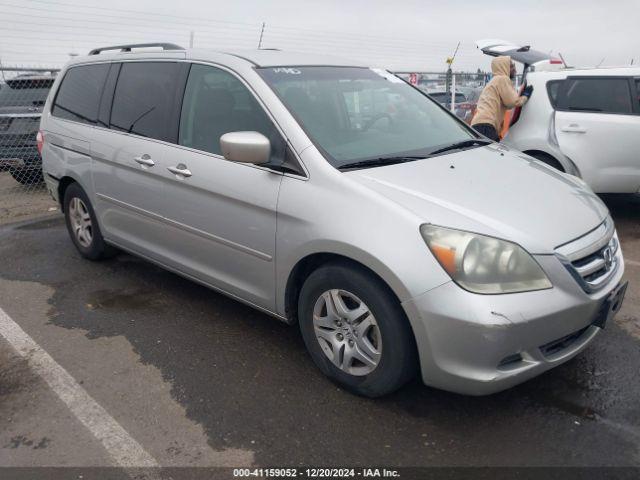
<point x="480" y="344"/>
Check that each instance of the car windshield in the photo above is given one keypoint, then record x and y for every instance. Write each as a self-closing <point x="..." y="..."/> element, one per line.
<point x="24" y="93"/>
<point x="356" y="114"/>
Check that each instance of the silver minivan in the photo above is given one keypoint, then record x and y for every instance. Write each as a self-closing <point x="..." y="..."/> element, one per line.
<point x="338" y="197"/>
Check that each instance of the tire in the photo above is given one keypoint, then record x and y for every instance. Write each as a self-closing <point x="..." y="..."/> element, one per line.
<point x="82" y="225"/>
<point x="387" y="342"/>
<point x="27" y="177"/>
<point x="548" y="159"/>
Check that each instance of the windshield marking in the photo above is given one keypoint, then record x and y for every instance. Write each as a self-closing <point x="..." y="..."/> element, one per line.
<point x="387" y="75"/>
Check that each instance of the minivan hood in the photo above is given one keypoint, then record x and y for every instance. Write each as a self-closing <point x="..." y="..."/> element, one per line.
<point x="493" y="191"/>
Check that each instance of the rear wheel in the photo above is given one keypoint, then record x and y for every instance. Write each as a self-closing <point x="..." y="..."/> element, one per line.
<point x="356" y="331"/>
<point x="25" y="176"/>
<point x="82" y="224"/>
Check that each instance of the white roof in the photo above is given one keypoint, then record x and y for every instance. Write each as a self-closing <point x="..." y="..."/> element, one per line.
<point x="600" y="71"/>
<point x="276" y="58"/>
<point x="261" y="58"/>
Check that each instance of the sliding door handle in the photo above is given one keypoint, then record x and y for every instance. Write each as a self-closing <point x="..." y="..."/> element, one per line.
<point x="145" y="160"/>
<point x="180" y="169"/>
<point x="573" y="128"/>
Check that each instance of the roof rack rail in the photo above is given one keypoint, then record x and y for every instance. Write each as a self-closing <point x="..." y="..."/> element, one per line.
<point x="127" y="48"/>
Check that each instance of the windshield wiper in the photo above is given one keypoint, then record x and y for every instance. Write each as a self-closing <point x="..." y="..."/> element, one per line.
<point x="380" y="162"/>
<point x="463" y="144"/>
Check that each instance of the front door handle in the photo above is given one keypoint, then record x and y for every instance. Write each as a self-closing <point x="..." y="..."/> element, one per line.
<point x="574" y="128"/>
<point x="145" y="160"/>
<point x="180" y="169"/>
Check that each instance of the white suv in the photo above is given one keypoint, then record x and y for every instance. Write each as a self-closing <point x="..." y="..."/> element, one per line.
<point x="582" y="121"/>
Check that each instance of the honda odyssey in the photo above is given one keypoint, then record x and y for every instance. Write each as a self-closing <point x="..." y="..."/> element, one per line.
<point x="337" y="197"/>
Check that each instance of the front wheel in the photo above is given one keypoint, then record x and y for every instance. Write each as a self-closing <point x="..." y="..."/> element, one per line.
<point x="356" y="331"/>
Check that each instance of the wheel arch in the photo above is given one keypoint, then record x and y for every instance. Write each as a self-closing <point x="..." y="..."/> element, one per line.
<point x="63" y="184"/>
<point x="550" y="159"/>
<point x="311" y="262"/>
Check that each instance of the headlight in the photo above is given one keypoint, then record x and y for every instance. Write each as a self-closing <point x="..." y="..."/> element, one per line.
<point x="484" y="264"/>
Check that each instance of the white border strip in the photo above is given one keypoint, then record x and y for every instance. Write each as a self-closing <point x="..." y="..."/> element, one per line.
<point x="125" y="451"/>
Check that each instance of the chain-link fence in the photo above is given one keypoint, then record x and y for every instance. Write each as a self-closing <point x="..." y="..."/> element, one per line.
<point x="23" y="92"/>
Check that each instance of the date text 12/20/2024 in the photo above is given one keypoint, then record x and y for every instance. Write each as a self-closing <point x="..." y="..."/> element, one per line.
<point x="316" y="472"/>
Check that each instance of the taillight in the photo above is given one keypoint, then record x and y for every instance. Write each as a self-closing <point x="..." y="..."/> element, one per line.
<point x="555" y="61"/>
<point x="40" y="141"/>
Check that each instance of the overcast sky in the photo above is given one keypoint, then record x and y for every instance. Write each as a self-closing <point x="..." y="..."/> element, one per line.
<point x="400" y="35"/>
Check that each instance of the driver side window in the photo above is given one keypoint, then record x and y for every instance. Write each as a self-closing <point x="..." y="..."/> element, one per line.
<point x="216" y="102"/>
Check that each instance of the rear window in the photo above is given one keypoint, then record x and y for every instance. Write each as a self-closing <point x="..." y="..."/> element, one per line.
<point x="144" y="97"/>
<point x="25" y="92"/>
<point x="601" y="95"/>
<point x="79" y="94"/>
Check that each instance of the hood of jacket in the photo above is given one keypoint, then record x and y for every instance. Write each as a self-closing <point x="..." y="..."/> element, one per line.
<point x="501" y="66"/>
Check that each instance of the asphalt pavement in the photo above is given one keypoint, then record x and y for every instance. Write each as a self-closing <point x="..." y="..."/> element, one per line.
<point x="197" y="379"/>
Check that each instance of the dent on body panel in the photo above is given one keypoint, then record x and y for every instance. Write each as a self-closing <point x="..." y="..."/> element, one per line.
<point x="68" y="144"/>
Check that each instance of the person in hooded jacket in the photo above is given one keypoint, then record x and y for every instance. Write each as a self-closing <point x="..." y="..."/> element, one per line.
<point x="497" y="97"/>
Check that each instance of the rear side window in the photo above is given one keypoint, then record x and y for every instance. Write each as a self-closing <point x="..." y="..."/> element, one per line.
<point x="553" y="89"/>
<point x="601" y="95"/>
<point x="637" y="94"/>
<point x="78" y="97"/>
<point x="144" y="97"/>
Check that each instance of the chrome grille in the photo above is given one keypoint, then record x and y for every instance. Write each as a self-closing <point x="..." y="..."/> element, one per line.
<point x="591" y="259"/>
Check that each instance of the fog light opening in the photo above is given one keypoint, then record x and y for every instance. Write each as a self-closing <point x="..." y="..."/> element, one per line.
<point x="510" y="361"/>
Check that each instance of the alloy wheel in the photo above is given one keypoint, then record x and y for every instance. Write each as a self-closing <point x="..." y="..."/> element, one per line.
<point x="81" y="222"/>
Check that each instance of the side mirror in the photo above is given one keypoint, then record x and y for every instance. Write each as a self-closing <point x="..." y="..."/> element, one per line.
<point x="245" y="147"/>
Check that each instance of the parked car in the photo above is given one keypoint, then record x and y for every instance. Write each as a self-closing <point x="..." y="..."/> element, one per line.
<point x="444" y="98"/>
<point x="395" y="245"/>
<point x="21" y="101"/>
<point x="466" y="110"/>
<point x="581" y="121"/>
<point x="463" y="108"/>
<point x="471" y="93"/>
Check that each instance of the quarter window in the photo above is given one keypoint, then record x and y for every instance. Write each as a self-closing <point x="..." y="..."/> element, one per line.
<point x="144" y="97"/>
<point x="79" y="95"/>
<point x="606" y="95"/>
<point x="216" y="102"/>
<point x="553" y="89"/>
